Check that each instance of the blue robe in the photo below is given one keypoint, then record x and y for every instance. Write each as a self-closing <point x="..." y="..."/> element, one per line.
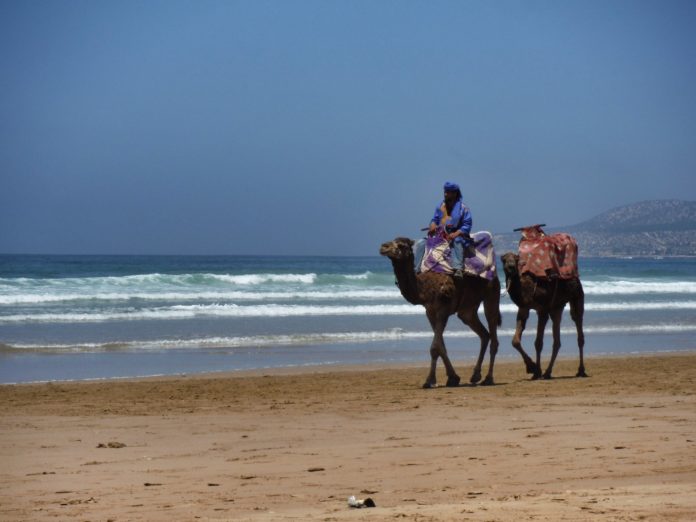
<point x="460" y="219"/>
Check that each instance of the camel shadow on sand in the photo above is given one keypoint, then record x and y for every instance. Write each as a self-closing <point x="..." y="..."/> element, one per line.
<point x="507" y="383"/>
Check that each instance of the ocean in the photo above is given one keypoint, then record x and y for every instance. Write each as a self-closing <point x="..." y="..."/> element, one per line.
<point x="99" y="317"/>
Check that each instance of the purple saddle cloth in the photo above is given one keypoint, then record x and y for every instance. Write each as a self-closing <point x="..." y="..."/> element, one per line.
<point x="438" y="256"/>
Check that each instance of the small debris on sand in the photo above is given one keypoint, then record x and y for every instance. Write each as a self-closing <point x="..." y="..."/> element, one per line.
<point x="114" y="445"/>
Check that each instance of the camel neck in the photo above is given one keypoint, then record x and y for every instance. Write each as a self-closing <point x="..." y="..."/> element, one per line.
<point x="513" y="287"/>
<point x="406" y="279"/>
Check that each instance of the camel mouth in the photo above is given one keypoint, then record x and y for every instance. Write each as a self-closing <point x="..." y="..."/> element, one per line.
<point x="385" y="249"/>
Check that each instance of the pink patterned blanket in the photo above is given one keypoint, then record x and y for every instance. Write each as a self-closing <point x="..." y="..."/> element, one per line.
<point x="548" y="256"/>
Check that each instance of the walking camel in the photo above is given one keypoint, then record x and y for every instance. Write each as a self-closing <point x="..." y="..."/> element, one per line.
<point x="442" y="296"/>
<point x="548" y="298"/>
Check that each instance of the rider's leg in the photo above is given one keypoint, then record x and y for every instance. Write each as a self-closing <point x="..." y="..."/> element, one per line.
<point x="457" y="257"/>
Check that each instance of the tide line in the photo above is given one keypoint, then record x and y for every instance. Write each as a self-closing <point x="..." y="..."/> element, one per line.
<point x="267" y="341"/>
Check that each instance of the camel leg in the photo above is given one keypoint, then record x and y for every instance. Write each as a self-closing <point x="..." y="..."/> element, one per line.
<point x="491" y="308"/>
<point x="437" y="349"/>
<point x="542" y="319"/>
<point x="470" y="318"/>
<point x="577" y="310"/>
<point x="556" y="316"/>
<point x="431" y="381"/>
<point x="522" y="316"/>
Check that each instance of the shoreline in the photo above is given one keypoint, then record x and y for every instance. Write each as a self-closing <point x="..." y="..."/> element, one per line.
<point x="295" y="444"/>
<point x="502" y="359"/>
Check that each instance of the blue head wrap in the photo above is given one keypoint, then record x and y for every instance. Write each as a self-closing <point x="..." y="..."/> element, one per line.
<point x="451" y="187"/>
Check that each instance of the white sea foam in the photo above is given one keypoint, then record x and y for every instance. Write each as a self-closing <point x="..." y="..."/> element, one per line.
<point x="212" y="310"/>
<point x="627" y="287"/>
<point x="319" y="295"/>
<point x="257" y="279"/>
<point x="358" y="277"/>
<point x="156" y="279"/>
<point x="640" y="305"/>
<point x="179" y="312"/>
<point x="339" y="292"/>
<point x="185" y="288"/>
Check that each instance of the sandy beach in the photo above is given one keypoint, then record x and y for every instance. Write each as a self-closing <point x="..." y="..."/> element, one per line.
<point x="294" y="445"/>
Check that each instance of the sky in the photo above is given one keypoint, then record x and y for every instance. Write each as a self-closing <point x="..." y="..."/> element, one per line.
<point x="327" y="127"/>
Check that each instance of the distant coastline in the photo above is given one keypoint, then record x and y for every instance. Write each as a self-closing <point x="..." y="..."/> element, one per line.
<point x="648" y="230"/>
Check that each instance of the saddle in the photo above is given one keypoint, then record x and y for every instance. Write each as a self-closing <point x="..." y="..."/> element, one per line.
<point x="548" y="257"/>
<point x="438" y="256"/>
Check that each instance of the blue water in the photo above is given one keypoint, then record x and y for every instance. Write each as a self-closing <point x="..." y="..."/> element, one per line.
<point x="82" y="317"/>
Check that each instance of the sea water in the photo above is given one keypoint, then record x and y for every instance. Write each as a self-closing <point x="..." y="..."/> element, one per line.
<point x="91" y="317"/>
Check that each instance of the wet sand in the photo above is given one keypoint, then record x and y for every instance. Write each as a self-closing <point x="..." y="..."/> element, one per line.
<point x="294" y="445"/>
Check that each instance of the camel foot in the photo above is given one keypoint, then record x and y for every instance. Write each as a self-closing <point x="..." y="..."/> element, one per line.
<point x="536" y="376"/>
<point x="475" y="377"/>
<point x="428" y="385"/>
<point x="532" y="368"/>
<point x="581" y="373"/>
<point x="488" y="381"/>
<point x="453" y="382"/>
<point x="547" y="376"/>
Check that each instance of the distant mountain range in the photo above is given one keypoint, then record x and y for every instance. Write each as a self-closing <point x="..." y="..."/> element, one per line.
<point x="663" y="227"/>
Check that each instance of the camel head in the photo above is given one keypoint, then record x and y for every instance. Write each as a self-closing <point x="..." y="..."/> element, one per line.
<point x="399" y="249"/>
<point x="510" y="261"/>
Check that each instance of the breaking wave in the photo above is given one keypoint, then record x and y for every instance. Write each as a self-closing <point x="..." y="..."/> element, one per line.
<point x="287" y="310"/>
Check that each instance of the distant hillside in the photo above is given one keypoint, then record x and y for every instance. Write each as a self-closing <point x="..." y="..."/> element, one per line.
<point x="646" y="216"/>
<point x="648" y="228"/>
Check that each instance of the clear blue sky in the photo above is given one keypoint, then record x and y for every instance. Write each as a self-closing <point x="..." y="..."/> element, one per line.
<point x="327" y="127"/>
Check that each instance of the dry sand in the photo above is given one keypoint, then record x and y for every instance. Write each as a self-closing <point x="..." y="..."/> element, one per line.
<point x="620" y="445"/>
